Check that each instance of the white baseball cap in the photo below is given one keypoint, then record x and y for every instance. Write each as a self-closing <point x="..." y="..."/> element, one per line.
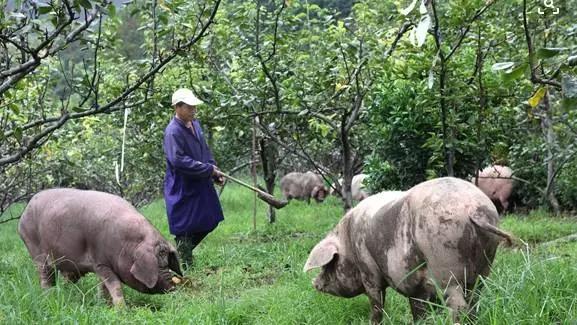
<point x="186" y="96"/>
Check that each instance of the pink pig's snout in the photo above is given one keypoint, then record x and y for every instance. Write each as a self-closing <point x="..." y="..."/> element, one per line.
<point x="171" y="288"/>
<point x="317" y="285"/>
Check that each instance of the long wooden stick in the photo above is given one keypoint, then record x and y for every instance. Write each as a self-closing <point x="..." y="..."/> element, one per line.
<point x="271" y="200"/>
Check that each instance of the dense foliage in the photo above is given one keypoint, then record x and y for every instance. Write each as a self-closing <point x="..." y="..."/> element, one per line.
<point x="402" y="93"/>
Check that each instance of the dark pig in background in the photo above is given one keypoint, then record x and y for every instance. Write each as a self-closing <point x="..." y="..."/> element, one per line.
<point x="303" y="186"/>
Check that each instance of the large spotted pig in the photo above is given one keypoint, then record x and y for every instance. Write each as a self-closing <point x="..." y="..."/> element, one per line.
<point x="441" y="234"/>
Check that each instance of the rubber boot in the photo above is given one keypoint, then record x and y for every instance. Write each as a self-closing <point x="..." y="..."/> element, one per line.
<point x="184" y="246"/>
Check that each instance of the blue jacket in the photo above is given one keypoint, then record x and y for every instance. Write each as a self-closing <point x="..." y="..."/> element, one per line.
<point x="192" y="203"/>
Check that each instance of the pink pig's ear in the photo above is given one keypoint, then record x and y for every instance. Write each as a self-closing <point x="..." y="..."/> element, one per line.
<point x="145" y="267"/>
<point x="322" y="254"/>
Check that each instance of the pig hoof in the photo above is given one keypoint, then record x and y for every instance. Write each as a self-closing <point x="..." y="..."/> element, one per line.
<point x="45" y="286"/>
<point x="120" y="304"/>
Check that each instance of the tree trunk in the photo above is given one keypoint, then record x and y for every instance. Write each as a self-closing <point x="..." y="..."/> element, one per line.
<point x="268" y="157"/>
<point x="482" y="106"/>
<point x="448" y="150"/>
<point x="209" y="132"/>
<point x="347" y="169"/>
<point x="550" y="141"/>
<point x="253" y="172"/>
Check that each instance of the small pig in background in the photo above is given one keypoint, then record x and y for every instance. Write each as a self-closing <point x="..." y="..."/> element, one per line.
<point x="497" y="183"/>
<point x="358" y="190"/>
<point x="78" y="232"/>
<point x="303" y="186"/>
<point x="439" y="235"/>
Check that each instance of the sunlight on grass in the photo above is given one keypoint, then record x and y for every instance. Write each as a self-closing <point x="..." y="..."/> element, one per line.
<point x="247" y="276"/>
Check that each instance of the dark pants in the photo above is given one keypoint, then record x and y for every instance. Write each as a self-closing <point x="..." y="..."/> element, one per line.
<point x="185" y="244"/>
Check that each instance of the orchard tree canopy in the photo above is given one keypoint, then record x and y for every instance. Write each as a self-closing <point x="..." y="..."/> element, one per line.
<point x="402" y="90"/>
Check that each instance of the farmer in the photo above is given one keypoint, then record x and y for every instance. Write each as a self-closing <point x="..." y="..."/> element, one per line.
<point x="192" y="204"/>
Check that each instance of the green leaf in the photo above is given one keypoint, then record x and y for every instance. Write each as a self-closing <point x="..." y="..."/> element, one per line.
<point x="15" y="108"/>
<point x="44" y="10"/>
<point x="569" y="104"/>
<point x="111" y="10"/>
<point x="324" y="129"/>
<point x="85" y="4"/>
<point x="545" y="53"/>
<point x="18" y="134"/>
<point x="502" y="66"/>
<point x="163" y="18"/>
<point x="515" y="73"/>
<point x="408" y="10"/>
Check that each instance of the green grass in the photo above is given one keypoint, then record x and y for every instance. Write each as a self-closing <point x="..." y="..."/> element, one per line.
<point x="540" y="227"/>
<point x="255" y="277"/>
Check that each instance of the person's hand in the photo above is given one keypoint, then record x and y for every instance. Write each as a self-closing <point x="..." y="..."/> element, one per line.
<point x="217" y="176"/>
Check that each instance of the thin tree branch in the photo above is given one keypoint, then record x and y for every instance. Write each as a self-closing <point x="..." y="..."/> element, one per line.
<point x="476" y="16"/>
<point x="274" y="138"/>
<point x="535" y="78"/>
<point x="16" y="44"/>
<point x="34" y="141"/>
<point x="402" y="30"/>
<point x="325" y="119"/>
<point x="111" y="105"/>
<point x="263" y="62"/>
<point x="9" y="219"/>
<point x="17" y="73"/>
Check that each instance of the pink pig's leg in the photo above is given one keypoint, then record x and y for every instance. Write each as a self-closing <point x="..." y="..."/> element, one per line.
<point x="377" y="300"/>
<point x="105" y="293"/>
<point x="45" y="270"/>
<point x="111" y="285"/>
<point x="456" y="301"/>
<point x="505" y="204"/>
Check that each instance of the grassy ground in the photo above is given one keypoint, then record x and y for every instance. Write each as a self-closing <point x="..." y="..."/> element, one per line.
<point x="255" y="277"/>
